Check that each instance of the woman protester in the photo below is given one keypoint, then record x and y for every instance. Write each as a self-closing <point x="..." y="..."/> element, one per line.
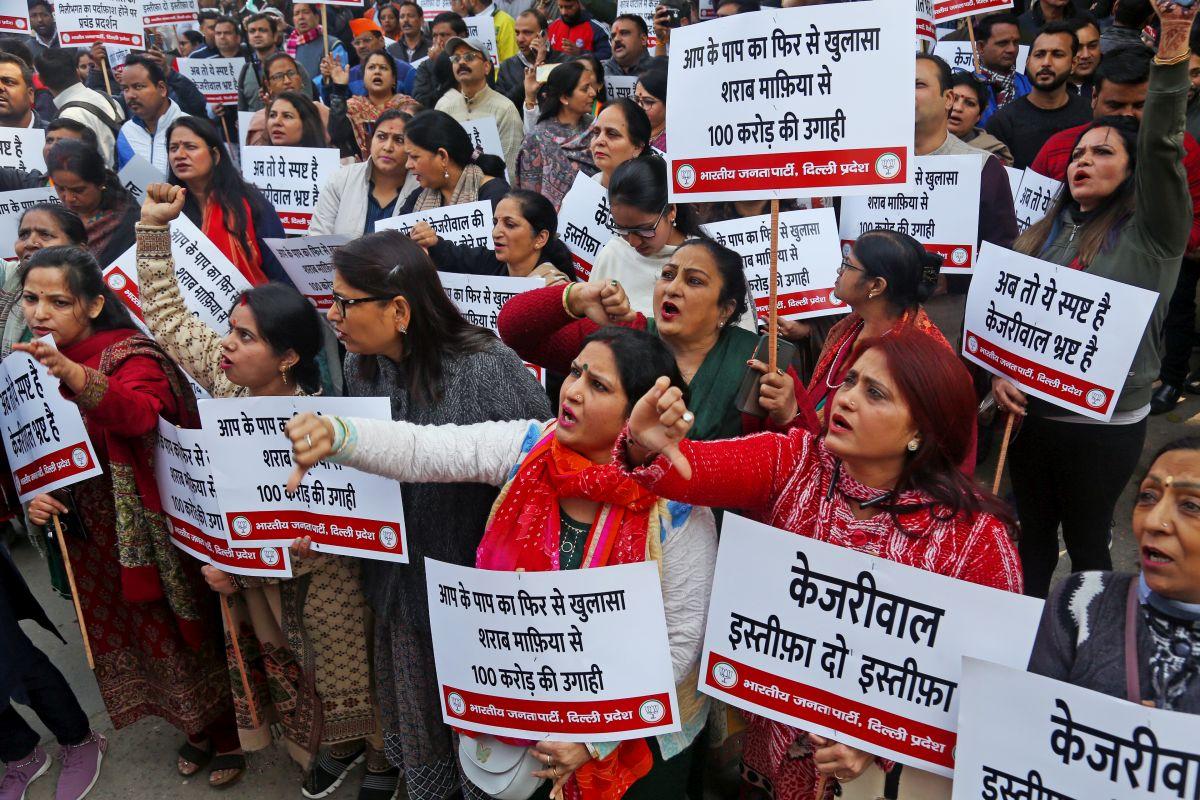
<point x="406" y="341"/>
<point x="621" y="133"/>
<point x="530" y="114"/>
<point x="85" y="185"/>
<point x="1124" y="216"/>
<point x="560" y="485"/>
<point x="351" y="117"/>
<point x="232" y="214"/>
<point x="359" y="195"/>
<point x="883" y="479"/>
<point x="564" y="106"/>
<point x="154" y="630"/>
<point x="309" y="633"/>
<point x="650" y="92"/>
<point x="970" y="99"/>
<point x="448" y="168"/>
<point x="293" y="121"/>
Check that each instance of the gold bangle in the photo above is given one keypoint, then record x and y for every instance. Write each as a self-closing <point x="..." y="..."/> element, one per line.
<point x="1170" y="62"/>
<point x="566" y="301"/>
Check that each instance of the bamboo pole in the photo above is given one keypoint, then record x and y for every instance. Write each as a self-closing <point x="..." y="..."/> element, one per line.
<point x="62" y="546"/>
<point x="104" y="71"/>
<point x="227" y="616"/>
<point x="325" y="26"/>
<point x="1008" y="428"/>
<point x="773" y="313"/>
<point x="974" y="46"/>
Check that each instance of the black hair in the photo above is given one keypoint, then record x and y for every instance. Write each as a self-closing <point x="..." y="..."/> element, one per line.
<point x="983" y="27"/>
<point x="1081" y="20"/>
<point x="944" y="73"/>
<point x="637" y="20"/>
<point x="270" y="19"/>
<point x="78" y="158"/>
<point x="227" y="187"/>
<point x="47" y="3"/>
<point x="56" y="67"/>
<point x="654" y="81"/>
<point x="72" y="226"/>
<point x="743" y="6"/>
<point x="208" y="14"/>
<point x="391" y="64"/>
<point x="225" y="19"/>
<point x="642" y="183"/>
<point x="974" y="84"/>
<point x="560" y="85"/>
<point x="195" y="37"/>
<point x="1060" y="27"/>
<point x="389" y="264"/>
<point x="85" y="280"/>
<point x="1175" y="445"/>
<point x="539" y="212"/>
<point x="910" y="270"/>
<point x="598" y="71"/>
<point x="641" y="358"/>
<point x="734" y="288"/>
<point x="86" y="134"/>
<point x="286" y="320"/>
<point x="636" y="121"/>
<point x="539" y="17"/>
<point x="1132" y="13"/>
<point x="455" y="22"/>
<point x="433" y="130"/>
<point x="312" y="132"/>
<point x="280" y="56"/>
<point x="10" y="53"/>
<point x="152" y="69"/>
<point x="1128" y="66"/>
<point x="391" y="114"/>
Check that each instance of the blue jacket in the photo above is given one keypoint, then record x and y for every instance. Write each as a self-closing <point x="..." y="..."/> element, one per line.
<point x="406" y="76"/>
<point x="1021" y="86"/>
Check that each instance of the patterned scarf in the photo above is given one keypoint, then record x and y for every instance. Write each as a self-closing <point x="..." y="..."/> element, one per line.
<point x="296" y="39"/>
<point x="363" y="113"/>
<point x="1175" y="631"/>
<point x="242" y="251"/>
<point x="467" y="191"/>
<point x="1002" y="85"/>
<point x="101" y="226"/>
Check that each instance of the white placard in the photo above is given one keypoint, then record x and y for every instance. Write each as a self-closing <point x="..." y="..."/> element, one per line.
<point x="116" y="55"/>
<point x="926" y="34"/>
<point x="776" y="106"/>
<point x="585" y="223"/>
<point x="137" y="174"/>
<point x="1061" y="334"/>
<point x="244" y="118"/>
<point x="216" y="78"/>
<point x="189" y="498"/>
<point x="345" y="511"/>
<point x="291" y="178"/>
<point x="45" y="440"/>
<point x="308" y="261"/>
<point x="431" y="8"/>
<point x="167" y="12"/>
<point x="466" y="224"/>
<point x="22" y="148"/>
<point x="852" y="646"/>
<point x="483" y="27"/>
<point x="485" y="135"/>
<point x="1026" y="736"/>
<point x="573" y="655"/>
<point x="958" y="55"/>
<point x="104" y="21"/>
<point x="809" y="256"/>
<point x="940" y="209"/>
<point x="645" y="10"/>
<point x="1014" y="180"/>
<point x="14" y="16"/>
<point x="949" y="10"/>
<point x="619" y="86"/>
<point x="12" y="206"/>
<point x="480" y="297"/>
<point x="1034" y="197"/>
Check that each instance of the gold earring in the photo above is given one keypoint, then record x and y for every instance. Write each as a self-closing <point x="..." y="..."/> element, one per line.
<point x="283" y="373"/>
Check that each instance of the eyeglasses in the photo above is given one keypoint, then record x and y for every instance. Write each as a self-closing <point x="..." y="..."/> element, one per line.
<point x="645" y="102"/>
<point x="284" y="76"/>
<point x="846" y="265"/>
<point x="641" y="233"/>
<point x="466" y="58"/>
<point x="343" y="303"/>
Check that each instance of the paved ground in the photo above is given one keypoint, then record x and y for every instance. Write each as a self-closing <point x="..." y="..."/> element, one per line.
<point x="140" y="761"/>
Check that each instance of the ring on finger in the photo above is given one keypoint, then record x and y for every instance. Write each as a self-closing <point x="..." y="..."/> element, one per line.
<point x="688" y="416"/>
<point x="549" y="760"/>
<point x="556" y="773"/>
<point x="308" y="439"/>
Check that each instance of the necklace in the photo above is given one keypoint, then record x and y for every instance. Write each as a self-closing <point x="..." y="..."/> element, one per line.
<point x="837" y="357"/>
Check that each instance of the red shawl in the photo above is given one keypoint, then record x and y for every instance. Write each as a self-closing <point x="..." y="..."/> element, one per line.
<point x="243" y="251"/>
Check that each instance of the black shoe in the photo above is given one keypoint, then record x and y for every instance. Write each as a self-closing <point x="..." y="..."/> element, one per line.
<point x="327" y="774"/>
<point x="380" y="785"/>
<point x="1192" y="385"/>
<point x="1165" y="398"/>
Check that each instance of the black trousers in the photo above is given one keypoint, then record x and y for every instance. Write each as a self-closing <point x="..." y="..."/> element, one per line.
<point x="1179" y="327"/>
<point x="1071" y="475"/>
<point x="51" y="698"/>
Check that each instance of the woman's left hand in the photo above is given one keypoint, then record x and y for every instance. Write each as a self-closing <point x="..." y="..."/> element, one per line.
<point x="312" y="440"/>
<point x="218" y="580"/>
<point x="776" y="393"/>
<point x="838" y="761"/>
<point x="423" y="234"/>
<point x="561" y="760"/>
<point x="71" y="373"/>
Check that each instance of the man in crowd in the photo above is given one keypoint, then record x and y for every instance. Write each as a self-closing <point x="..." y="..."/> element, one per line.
<point x="151" y="112"/>
<point x="45" y="30"/>
<point x="227" y="40"/>
<point x="533" y="50"/>
<point x="412" y="45"/>
<point x="306" y="42"/>
<point x="629" y="47"/>
<point x="1042" y="11"/>
<point x="75" y="101"/>
<point x="208" y="29"/>
<point x="1087" y="31"/>
<point x="999" y="38"/>
<point x="1026" y="123"/>
<point x="506" y="37"/>
<point x="283" y="74"/>
<point x="1130" y="17"/>
<point x="474" y="99"/>
<point x="262" y="31"/>
<point x="16" y="94"/>
<point x="428" y="87"/>
<point x="576" y="32"/>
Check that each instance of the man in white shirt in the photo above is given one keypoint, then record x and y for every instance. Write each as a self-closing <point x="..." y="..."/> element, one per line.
<point x="75" y="101"/>
<point x="151" y="110"/>
<point x="474" y="99"/>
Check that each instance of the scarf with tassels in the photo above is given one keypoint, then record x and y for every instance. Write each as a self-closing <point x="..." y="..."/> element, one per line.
<point x="295" y="39"/>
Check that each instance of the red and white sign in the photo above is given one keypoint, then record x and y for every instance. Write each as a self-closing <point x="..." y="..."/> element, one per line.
<point x="925" y="30"/>
<point x="189" y="497"/>
<point x="167" y="12"/>
<point x="291" y="178"/>
<point x="105" y="21"/>
<point x="345" y="511"/>
<point x="14" y="16"/>
<point x="216" y="78"/>
<point x="808" y="257"/>
<point x="44" y="438"/>
<point x="948" y="10"/>
<point x="585" y="222"/>
<point x="940" y="209"/>
<point x="576" y="655"/>
<point x="466" y="224"/>
<point x="432" y="8"/>
<point x="308" y="261"/>
<point x="12" y="206"/>
<point x="1060" y="334"/>
<point x="851" y="646"/>
<point x="776" y="107"/>
<point x="480" y="298"/>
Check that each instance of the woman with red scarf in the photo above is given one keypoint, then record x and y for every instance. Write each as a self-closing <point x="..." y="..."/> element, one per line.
<point x="565" y="505"/>
<point x="153" y="626"/>
<point x="882" y="479"/>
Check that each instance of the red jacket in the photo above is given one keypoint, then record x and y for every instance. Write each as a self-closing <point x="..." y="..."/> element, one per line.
<point x="1055" y="154"/>
<point x="585" y="34"/>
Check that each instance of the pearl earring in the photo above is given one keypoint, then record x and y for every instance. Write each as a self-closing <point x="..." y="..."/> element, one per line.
<point x="913" y="444"/>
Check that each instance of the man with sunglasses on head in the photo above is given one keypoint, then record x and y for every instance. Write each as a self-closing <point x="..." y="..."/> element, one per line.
<point x="474" y="99"/>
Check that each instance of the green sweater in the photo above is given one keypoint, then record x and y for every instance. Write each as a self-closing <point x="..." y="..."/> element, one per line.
<point x="1151" y="243"/>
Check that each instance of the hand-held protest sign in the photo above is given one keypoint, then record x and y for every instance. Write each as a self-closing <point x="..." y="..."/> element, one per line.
<point x="1034" y="197"/>
<point x="480" y="298"/>
<point x="926" y="34"/>
<point x="291" y="178"/>
<point x="14" y="16"/>
<point x="851" y="646"/>
<point x="485" y="135"/>
<point x="809" y="254"/>
<point x="961" y="56"/>
<point x="483" y="27"/>
<point x="820" y="133"/>
<point x="1058" y="741"/>
<point x="466" y="224"/>
<point x="617" y="87"/>
<point x="22" y="148"/>
<point x="573" y="655"/>
<point x="216" y="78"/>
<point x="645" y="10"/>
<point x="12" y="206"/>
<point x="1061" y="334"/>
<point x="105" y="21"/>
<point x="167" y="12"/>
<point x="949" y="10"/>
<point x="940" y="209"/>
<point x="308" y="261"/>
<point x="137" y="174"/>
<point x="585" y="222"/>
<point x="431" y="8"/>
<point x="345" y="511"/>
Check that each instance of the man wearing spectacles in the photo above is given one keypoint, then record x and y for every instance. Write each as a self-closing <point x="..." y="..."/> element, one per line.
<point x="282" y="74"/>
<point x="470" y="65"/>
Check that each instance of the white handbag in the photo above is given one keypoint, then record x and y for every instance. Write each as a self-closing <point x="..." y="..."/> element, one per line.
<point x="505" y="771"/>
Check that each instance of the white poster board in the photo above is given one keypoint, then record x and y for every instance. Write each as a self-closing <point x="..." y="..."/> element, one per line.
<point x="645" y="10"/>
<point x="12" y="206"/>
<point x="926" y="33"/>
<point x="291" y="178"/>
<point x="851" y="646"/>
<point x="484" y="135"/>
<point x="1034" y="197"/>
<point x="573" y="655"/>
<point x="585" y="223"/>
<point x="466" y="224"/>
<point x="14" y="16"/>
<point x="480" y="298"/>
<point x="308" y="261"/>
<point x="958" y="55"/>
<point x="137" y="174"/>
<point x="619" y="86"/>
<point x="808" y="258"/>
<point x="345" y="511"/>
<point x="949" y="10"/>
<point x="167" y="12"/>
<point x="776" y="106"/>
<point x="216" y="78"/>
<point x="105" y="21"/>
<point x="483" y="27"/>
<point x="1060" y="334"/>
<point x="431" y="8"/>
<point x="22" y="148"/>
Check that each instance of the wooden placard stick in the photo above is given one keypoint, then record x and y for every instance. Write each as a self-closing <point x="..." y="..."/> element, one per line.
<point x="1008" y="428"/>
<point x="227" y="616"/>
<point x="66" y="557"/>
<point x="325" y="26"/>
<point x="773" y="313"/>
<point x="974" y="45"/>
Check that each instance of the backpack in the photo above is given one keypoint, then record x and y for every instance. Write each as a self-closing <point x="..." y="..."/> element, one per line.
<point x="112" y="124"/>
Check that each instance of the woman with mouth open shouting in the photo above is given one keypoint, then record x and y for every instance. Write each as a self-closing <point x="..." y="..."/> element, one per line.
<point x="882" y="479"/>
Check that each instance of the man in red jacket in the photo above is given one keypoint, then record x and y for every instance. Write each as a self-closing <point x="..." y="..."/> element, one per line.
<point x="1122" y="81"/>
<point x="575" y="32"/>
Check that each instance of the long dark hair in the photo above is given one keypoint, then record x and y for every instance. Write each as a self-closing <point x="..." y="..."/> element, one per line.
<point x="77" y="158"/>
<point x="540" y="214"/>
<point x="288" y="321"/>
<point x="389" y="263"/>
<point x="560" y="85"/>
<point x="228" y="190"/>
<point x="85" y="281"/>
<point x="733" y="276"/>
<point x="598" y="71"/>
<point x="910" y="270"/>
<point x="642" y="358"/>
<point x="72" y="226"/>
<point x="434" y="130"/>
<point x="642" y="183"/>
<point x="312" y="132"/>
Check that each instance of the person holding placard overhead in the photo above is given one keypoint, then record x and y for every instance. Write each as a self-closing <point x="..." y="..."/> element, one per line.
<point x="449" y="169"/>
<point x="1125" y="214"/>
<point x="86" y="186"/>
<point x="565" y="103"/>
<point x="565" y="505"/>
<point x="882" y="479"/>
<point x="154" y="632"/>
<point x="310" y="630"/>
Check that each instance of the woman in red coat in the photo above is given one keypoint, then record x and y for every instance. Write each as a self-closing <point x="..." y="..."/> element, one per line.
<point x="152" y="625"/>
<point x="882" y="480"/>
